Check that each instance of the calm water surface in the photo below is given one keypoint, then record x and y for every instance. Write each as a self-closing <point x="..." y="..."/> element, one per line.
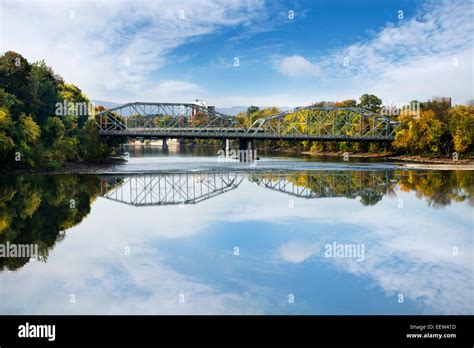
<point x="201" y="237"/>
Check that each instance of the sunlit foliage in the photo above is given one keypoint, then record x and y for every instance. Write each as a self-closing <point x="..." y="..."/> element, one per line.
<point x="32" y="132"/>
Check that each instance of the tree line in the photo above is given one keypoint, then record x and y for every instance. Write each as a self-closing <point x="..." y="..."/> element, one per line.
<point x="431" y="128"/>
<point x="43" y="123"/>
<point x="438" y="189"/>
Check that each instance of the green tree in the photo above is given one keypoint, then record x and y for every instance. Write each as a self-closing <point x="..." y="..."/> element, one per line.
<point x="30" y="129"/>
<point x="44" y="87"/>
<point x="14" y="79"/>
<point x="53" y="130"/>
<point x="73" y="94"/>
<point x="55" y="143"/>
<point x="252" y="109"/>
<point x="6" y="142"/>
<point x="346" y="103"/>
<point x="91" y="146"/>
<point x="27" y="134"/>
<point x="370" y="102"/>
<point x="440" y="108"/>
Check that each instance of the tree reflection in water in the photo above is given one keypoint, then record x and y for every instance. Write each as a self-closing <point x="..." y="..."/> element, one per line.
<point x="38" y="209"/>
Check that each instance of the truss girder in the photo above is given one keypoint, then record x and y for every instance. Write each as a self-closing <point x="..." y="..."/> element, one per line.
<point x="192" y="120"/>
<point x="331" y="122"/>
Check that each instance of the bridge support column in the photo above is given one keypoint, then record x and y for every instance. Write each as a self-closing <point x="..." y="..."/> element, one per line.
<point x="165" y="144"/>
<point x="122" y="149"/>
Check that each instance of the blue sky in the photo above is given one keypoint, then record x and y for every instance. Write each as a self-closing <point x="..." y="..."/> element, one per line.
<point x="180" y="51"/>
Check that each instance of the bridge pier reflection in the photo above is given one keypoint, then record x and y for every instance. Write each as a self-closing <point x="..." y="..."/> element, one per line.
<point x="245" y="150"/>
<point x="225" y="146"/>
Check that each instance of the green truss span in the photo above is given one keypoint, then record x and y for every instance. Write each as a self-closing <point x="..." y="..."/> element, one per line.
<point x="181" y="120"/>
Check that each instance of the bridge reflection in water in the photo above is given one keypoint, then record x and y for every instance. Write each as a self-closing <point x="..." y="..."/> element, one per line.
<point x="192" y="188"/>
<point x="168" y="189"/>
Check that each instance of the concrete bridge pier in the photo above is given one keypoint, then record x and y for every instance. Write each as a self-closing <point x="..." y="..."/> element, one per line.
<point x="245" y="150"/>
<point x="165" y="144"/>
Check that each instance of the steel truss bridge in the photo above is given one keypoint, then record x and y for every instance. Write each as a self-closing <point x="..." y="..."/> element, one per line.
<point x="192" y="188"/>
<point x="181" y="120"/>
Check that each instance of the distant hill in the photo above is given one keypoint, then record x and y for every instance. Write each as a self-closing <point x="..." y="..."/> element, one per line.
<point x="105" y="104"/>
<point x="234" y="110"/>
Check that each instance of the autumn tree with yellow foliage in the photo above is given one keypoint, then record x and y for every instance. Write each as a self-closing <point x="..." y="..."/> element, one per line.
<point x="462" y="128"/>
<point x="438" y="130"/>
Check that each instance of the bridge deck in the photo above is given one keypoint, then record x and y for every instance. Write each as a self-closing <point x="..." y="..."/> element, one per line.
<point x="235" y="134"/>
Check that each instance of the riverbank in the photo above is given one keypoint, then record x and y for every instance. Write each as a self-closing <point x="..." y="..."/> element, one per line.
<point x="417" y="162"/>
<point x="353" y="155"/>
<point x="434" y="160"/>
<point x="393" y="156"/>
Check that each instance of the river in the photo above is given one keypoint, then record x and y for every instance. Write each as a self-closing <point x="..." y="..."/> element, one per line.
<point x="184" y="232"/>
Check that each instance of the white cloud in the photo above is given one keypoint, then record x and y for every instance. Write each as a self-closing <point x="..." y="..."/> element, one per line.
<point x="173" y="91"/>
<point x="418" y="58"/>
<point x="115" y="50"/>
<point x="298" y="66"/>
<point x="429" y="77"/>
<point x="110" y="49"/>
<point x="296" y="252"/>
<point x="420" y="265"/>
<point x="425" y="56"/>
<point x="105" y="281"/>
